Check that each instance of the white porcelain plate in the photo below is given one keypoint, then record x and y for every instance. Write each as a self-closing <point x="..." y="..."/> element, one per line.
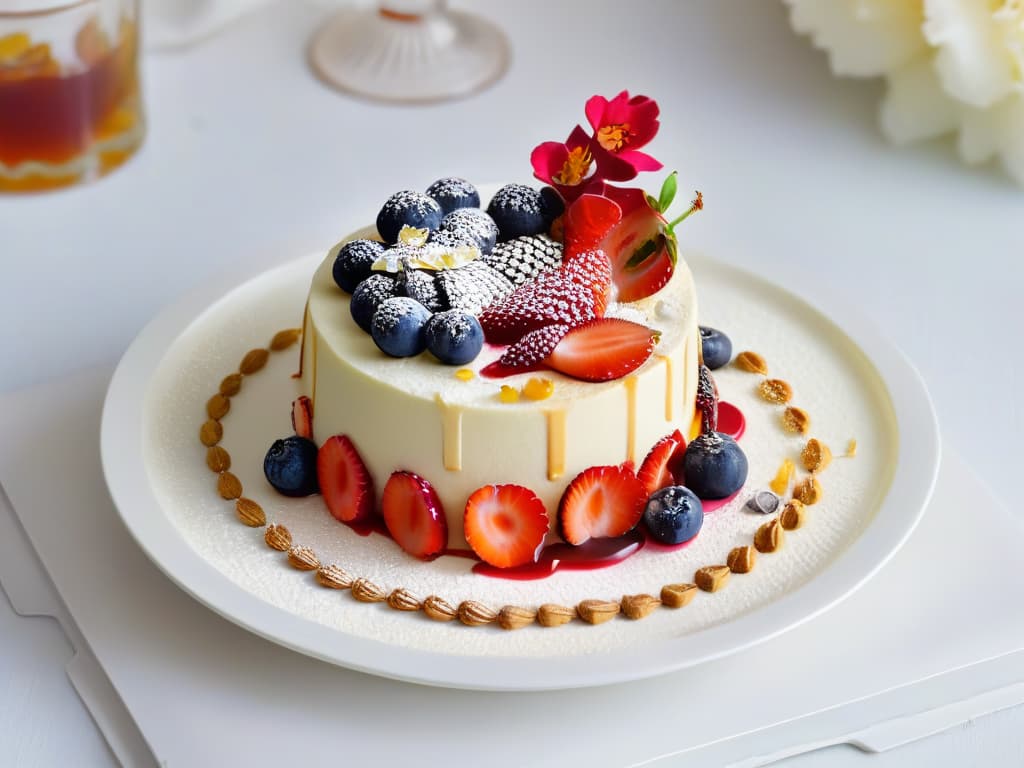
<point x="848" y="377"/>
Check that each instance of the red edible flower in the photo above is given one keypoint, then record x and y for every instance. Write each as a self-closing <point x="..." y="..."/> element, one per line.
<point x="568" y="166"/>
<point x="621" y="126"/>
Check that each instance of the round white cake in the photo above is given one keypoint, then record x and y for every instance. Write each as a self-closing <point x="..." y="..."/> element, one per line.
<point x="415" y="414"/>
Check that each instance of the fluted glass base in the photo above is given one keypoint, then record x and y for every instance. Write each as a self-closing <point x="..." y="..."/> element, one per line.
<point x="406" y="58"/>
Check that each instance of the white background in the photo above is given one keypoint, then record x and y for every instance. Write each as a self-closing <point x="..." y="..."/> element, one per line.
<point x="249" y="158"/>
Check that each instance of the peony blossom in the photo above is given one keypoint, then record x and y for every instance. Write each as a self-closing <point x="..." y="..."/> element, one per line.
<point x="952" y="66"/>
<point x="621" y="126"/>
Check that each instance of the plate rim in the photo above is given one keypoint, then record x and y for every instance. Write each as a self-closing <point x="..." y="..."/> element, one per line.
<point x="900" y="510"/>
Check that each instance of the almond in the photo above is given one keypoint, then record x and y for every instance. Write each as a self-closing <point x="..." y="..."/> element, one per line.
<point x="793" y="515"/>
<point x="333" y="577"/>
<point x="217" y="407"/>
<point x="751" y="362"/>
<point x="677" y="595"/>
<point x="218" y="459"/>
<point x="474" y="614"/>
<point x="253" y="361"/>
<point x="742" y="559"/>
<point x="210" y="433"/>
<point x="808" y="491"/>
<point x="768" y="537"/>
<point x="365" y="591"/>
<point x="513" y="617"/>
<point x="597" y="611"/>
<point x="639" y="606"/>
<point x="439" y="609"/>
<point x="815" y="456"/>
<point x="711" y="578"/>
<point x="303" y="559"/>
<point x="231" y="385"/>
<point x="278" y="537"/>
<point x="775" y="391"/>
<point x="284" y="339"/>
<point x="796" y="421"/>
<point x="229" y="487"/>
<point x="402" y="599"/>
<point x="551" y="615"/>
<point x="250" y="513"/>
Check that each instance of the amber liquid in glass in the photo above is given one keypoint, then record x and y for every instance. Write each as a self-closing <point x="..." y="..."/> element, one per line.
<point x="60" y="125"/>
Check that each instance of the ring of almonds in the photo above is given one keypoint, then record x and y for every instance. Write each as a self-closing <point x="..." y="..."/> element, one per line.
<point x="768" y="538"/>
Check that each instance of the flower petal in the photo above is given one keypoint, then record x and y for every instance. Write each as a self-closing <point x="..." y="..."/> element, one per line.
<point x="596" y="105"/>
<point x="863" y="38"/>
<point x="547" y="159"/>
<point x="640" y="161"/>
<point x="915" y="105"/>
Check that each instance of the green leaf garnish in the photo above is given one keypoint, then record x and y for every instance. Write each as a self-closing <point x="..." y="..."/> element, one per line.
<point x="668" y="192"/>
<point x="651" y="201"/>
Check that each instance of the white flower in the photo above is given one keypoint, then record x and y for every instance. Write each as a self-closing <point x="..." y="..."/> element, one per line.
<point x="951" y="66"/>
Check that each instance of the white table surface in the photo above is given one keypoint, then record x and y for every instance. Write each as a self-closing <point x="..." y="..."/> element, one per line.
<point x="249" y="158"/>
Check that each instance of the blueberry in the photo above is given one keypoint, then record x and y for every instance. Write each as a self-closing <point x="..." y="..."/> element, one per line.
<point x="452" y="193"/>
<point x="673" y="515"/>
<point x="369" y="295"/>
<point x="717" y="347"/>
<point x="518" y="210"/>
<point x="451" y="239"/>
<point x="290" y="466"/>
<point x="398" y="327"/>
<point x="353" y="262"/>
<point x="454" y="337"/>
<point x="413" y="209"/>
<point x="474" y="226"/>
<point x="714" y="466"/>
<point x="419" y="284"/>
<point x="551" y="204"/>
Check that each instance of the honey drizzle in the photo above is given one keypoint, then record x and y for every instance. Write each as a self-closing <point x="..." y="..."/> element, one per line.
<point x="669" y="387"/>
<point x="556" y="443"/>
<point x="312" y="346"/>
<point x="302" y="346"/>
<point x="451" y="434"/>
<point x="630" y="385"/>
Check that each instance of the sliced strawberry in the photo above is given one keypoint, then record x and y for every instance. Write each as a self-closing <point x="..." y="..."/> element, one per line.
<point x="549" y="299"/>
<point x="658" y="469"/>
<point x="604" y="349"/>
<point x="414" y="515"/>
<point x="642" y="248"/>
<point x="344" y="480"/>
<point x="599" y="503"/>
<point x="505" y="525"/>
<point x="302" y="417"/>
<point x="588" y="221"/>
<point x="531" y="350"/>
<point x="593" y="270"/>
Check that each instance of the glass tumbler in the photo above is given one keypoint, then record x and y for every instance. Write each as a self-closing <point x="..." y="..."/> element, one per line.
<point x="70" y="109"/>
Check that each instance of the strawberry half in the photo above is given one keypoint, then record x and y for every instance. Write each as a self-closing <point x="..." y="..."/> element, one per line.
<point x="414" y="515"/>
<point x="302" y="417"/>
<point x="593" y="270"/>
<point x="588" y="221"/>
<point x="505" y="525"/>
<point x="531" y="350"/>
<point x="664" y="464"/>
<point x="549" y="299"/>
<point x="601" y="502"/>
<point x="642" y="247"/>
<point x="344" y="480"/>
<point x="603" y="349"/>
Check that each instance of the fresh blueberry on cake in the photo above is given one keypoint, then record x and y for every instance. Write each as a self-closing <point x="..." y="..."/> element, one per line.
<point x="473" y="226"/>
<point x="398" y="327"/>
<point x="290" y="466"/>
<point x="408" y="209"/>
<point x="452" y="193"/>
<point x="419" y="284"/>
<point x="369" y="295"/>
<point x="354" y="261"/>
<point x="673" y="515"/>
<point x="716" y="346"/>
<point x="715" y="466"/>
<point x="454" y="337"/>
<point x="518" y="210"/>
